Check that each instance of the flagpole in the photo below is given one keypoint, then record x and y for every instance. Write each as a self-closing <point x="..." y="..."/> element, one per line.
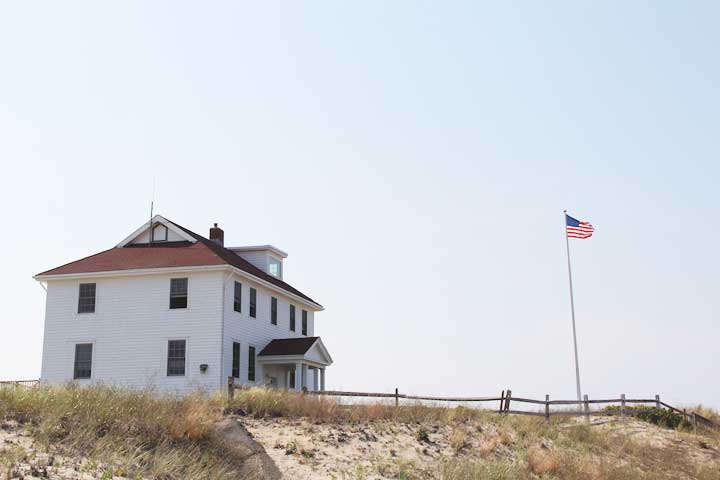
<point x="572" y="309"/>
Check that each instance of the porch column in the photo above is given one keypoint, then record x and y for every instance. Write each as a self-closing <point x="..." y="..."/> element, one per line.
<point x="316" y="383"/>
<point x="298" y="376"/>
<point x="304" y="375"/>
<point x="322" y="379"/>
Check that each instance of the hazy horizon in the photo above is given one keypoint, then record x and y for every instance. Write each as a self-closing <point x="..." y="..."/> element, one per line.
<point x="414" y="160"/>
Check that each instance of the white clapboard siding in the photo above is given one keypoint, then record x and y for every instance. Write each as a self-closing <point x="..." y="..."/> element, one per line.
<point x="257" y="332"/>
<point x="130" y="329"/>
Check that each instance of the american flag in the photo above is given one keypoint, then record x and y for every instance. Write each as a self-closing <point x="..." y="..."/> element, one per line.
<point x="577" y="229"/>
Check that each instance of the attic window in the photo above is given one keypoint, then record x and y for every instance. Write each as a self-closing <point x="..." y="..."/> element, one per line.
<point x="275" y="268"/>
<point x="159" y="233"/>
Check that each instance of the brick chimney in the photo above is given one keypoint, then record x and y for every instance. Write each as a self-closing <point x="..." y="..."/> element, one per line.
<point x="217" y="235"/>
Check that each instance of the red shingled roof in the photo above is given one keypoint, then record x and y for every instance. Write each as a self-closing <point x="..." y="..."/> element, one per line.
<point x="204" y="252"/>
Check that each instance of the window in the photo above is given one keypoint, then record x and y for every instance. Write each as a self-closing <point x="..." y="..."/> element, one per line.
<point x="292" y="317"/>
<point x="237" y="304"/>
<point x="83" y="360"/>
<point x="159" y="233"/>
<point x="176" y="358"/>
<point x="292" y="378"/>
<point x="236" y="360"/>
<point x="86" y="298"/>
<point x="275" y="268"/>
<point x="178" y="292"/>
<point x="251" y="364"/>
<point x="304" y="322"/>
<point x="273" y="310"/>
<point x="253" y="302"/>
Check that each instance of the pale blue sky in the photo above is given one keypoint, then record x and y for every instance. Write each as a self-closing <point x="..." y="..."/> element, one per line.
<point x="413" y="158"/>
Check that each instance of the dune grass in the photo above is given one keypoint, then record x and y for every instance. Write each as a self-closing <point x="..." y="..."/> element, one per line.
<point x="513" y="446"/>
<point x="139" y="433"/>
<point x="146" y="434"/>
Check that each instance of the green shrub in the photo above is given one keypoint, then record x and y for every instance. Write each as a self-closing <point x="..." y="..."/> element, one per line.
<point x="654" y="415"/>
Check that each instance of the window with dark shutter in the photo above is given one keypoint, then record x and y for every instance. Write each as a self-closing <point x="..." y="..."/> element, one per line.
<point x="292" y="378"/>
<point x="83" y="361"/>
<point x="292" y="318"/>
<point x="86" y="298"/>
<point x="304" y="322"/>
<point x="178" y="292"/>
<point x="273" y="310"/>
<point x="253" y="302"/>
<point x="176" y="358"/>
<point x="251" y="364"/>
<point x="236" y="360"/>
<point x="237" y="304"/>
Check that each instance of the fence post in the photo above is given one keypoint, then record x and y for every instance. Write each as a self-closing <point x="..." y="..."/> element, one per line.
<point x="231" y="388"/>
<point x="587" y="407"/>
<point x="508" y="396"/>
<point x="694" y="422"/>
<point x="502" y="401"/>
<point x="657" y="402"/>
<point x="547" y="407"/>
<point x="622" y="407"/>
<point x="397" y="398"/>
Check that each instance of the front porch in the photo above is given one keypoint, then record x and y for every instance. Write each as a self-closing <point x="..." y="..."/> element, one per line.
<point x="295" y="363"/>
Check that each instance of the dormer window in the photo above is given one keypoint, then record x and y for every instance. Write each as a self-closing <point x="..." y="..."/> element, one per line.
<point x="275" y="268"/>
<point x="159" y="233"/>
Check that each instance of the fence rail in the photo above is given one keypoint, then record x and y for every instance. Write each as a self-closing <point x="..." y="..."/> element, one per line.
<point x="506" y="398"/>
<point x="583" y="405"/>
<point x="19" y="383"/>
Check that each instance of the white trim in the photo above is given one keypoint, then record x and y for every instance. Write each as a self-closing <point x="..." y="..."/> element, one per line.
<point x="131" y="272"/>
<point x="323" y="350"/>
<point x="169" y="293"/>
<point x="73" y="344"/>
<point x="259" y="248"/>
<point x="148" y="225"/>
<point x="274" y="359"/>
<point x="167" y="352"/>
<point x="314" y="306"/>
<point x="154" y="231"/>
<point x="289" y="359"/>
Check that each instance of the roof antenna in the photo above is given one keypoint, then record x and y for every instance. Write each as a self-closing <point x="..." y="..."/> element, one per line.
<point x="152" y="205"/>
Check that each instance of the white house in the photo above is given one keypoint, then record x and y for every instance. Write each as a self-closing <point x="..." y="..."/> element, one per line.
<point x="169" y="309"/>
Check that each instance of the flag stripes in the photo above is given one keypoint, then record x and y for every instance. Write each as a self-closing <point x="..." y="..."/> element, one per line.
<point x="578" y="229"/>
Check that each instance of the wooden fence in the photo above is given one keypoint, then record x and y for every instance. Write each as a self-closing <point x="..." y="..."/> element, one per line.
<point x="19" y="383"/>
<point x="505" y="400"/>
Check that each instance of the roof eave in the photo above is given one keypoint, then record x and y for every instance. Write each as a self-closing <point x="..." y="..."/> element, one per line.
<point x="42" y="277"/>
<point x="150" y="271"/>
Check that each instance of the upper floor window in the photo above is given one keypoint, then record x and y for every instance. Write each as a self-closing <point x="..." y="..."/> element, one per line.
<point x="176" y="358"/>
<point x="83" y="360"/>
<point x="159" y="233"/>
<point x="292" y="318"/>
<point x="237" y="303"/>
<point x="253" y="302"/>
<point x="251" y="364"/>
<point x="178" y="292"/>
<point x="86" y="298"/>
<point x="275" y="268"/>
<point x="304" y="322"/>
<point x="273" y="310"/>
<point x="236" y="360"/>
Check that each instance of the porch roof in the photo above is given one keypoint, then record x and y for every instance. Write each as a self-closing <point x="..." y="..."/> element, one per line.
<point x="309" y="349"/>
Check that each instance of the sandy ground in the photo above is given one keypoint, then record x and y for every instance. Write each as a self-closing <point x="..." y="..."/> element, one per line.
<point x="381" y="450"/>
<point x="303" y="450"/>
<point x="22" y="458"/>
